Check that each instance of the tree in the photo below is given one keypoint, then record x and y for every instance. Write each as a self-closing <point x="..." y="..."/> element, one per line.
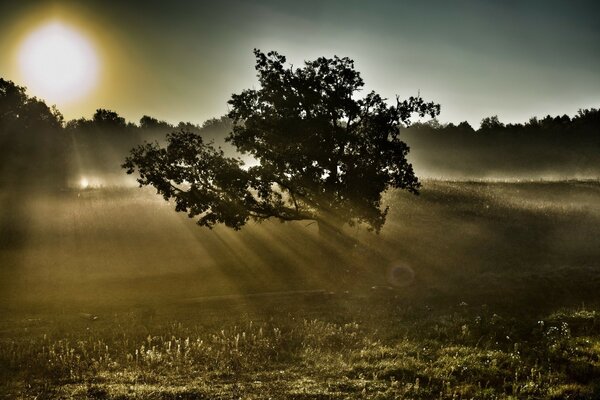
<point x="108" y="119"/>
<point x="150" y="123"/>
<point x="101" y="143"/>
<point x="491" y="123"/>
<point x="32" y="142"/>
<point x="322" y="153"/>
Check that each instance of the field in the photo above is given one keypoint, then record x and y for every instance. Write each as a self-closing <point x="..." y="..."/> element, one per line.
<point x="485" y="290"/>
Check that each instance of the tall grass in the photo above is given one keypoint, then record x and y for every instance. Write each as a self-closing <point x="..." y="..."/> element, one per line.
<point x="460" y="351"/>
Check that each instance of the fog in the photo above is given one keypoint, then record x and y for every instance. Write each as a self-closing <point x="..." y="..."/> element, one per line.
<point x="552" y="148"/>
<point x="104" y="245"/>
<point x="107" y="292"/>
<point x="75" y="227"/>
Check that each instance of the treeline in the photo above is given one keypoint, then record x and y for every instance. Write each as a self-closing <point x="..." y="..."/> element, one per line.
<point x="39" y="148"/>
<point x="100" y="145"/>
<point x="560" y="147"/>
<point x="33" y="146"/>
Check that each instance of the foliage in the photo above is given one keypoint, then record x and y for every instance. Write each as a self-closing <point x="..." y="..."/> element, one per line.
<point x="218" y="187"/>
<point x="32" y="144"/>
<point x="322" y="154"/>
<point x="147" y="122"/>
<point x="490" y="123"/>
<point x="559" y="146"/>
<point x="108" y="118"/>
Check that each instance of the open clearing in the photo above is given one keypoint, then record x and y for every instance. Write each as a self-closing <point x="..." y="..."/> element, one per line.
<point x="472" y="290"/>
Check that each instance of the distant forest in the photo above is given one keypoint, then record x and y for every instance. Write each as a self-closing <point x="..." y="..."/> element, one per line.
<point x="552" y="147"/>
<point x="38" y="148"/>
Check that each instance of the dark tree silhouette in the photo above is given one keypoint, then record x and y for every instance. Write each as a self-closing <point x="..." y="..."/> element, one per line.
<point x="147" y="122"/>
<point x="101" y="143"/>
<point x="490" y="123"/>
<point x="558" y="147"/>
<point x="322" y="154"/>
<point x="108" y="118"/>
<point x="32" y="144"/>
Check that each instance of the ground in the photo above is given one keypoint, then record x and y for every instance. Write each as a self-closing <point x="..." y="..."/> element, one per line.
<point x="485" y="290"/>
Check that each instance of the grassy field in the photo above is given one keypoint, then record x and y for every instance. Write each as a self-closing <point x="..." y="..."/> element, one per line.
<point x="484" y="290"/>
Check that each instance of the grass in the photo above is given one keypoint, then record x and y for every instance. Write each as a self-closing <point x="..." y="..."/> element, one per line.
<point x="503" y="304"/>
<point x="375" y="348"/>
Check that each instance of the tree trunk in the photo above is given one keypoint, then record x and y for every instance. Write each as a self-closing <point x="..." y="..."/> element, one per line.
<point x="335" y="246"/>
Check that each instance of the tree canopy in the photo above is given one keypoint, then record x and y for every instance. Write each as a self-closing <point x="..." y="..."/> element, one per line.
<point x="322" y="152"/>
<point x="32" y="144"/>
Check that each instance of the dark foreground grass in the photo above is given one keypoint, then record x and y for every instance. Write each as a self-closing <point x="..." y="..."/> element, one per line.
<point x="374" y="347"/>
<point x="502" y="301"/>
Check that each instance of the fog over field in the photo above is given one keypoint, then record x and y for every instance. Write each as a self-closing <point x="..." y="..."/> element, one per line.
<point x="93" y="244"/>
<point x="117" y="267"/>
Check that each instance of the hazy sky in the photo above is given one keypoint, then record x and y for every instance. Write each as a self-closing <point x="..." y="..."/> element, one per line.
<point x="182" y="60"/>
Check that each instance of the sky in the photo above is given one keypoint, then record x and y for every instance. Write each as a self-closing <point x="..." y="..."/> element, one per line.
<point x="182" y="60"/>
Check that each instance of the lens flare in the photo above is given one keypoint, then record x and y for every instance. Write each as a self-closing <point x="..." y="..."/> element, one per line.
<point x="400" y="275"/>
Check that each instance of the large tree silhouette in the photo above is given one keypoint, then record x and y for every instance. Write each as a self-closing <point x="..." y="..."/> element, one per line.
<point x="322" y="153"/>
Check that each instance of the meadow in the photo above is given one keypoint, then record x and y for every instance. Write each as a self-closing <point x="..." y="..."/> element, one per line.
<point x="480" y="289"/>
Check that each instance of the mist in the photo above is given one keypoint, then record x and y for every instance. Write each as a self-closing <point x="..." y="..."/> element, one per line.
<point x="73" y="221"/>
<point x="500" y="249"/>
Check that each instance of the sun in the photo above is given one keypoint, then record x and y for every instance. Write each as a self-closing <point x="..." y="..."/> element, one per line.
<point x="58" y="63"/>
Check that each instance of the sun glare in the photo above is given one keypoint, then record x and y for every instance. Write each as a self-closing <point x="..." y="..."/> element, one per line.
<point x="58" y="63"/>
